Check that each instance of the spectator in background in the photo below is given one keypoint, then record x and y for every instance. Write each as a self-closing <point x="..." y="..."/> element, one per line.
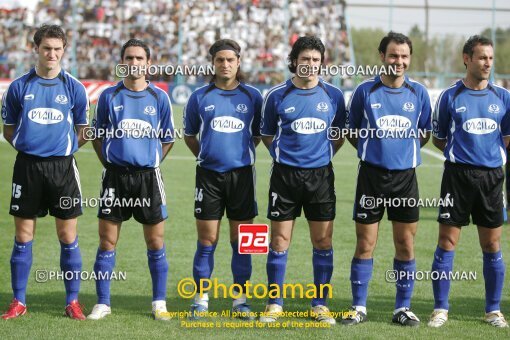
<point x="259" y="26"/>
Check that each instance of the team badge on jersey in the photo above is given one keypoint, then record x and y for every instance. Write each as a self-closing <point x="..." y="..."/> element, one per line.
<point x="322" y="107"/>
<point x="493" y="108"/>
<point x="408" y="107"/>
<point x="150" y="110"/>
<point x="61" y="99"/>
<point x="242" y="108"/>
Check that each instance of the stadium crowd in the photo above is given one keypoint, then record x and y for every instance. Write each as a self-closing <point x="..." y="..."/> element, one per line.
<point x="264" y="28"/>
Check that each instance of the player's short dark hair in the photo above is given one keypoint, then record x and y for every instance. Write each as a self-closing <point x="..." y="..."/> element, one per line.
<point x="49" y="31"/>
<point x="304" y="43"/>
<point x="226" y="44"/>
<point x="398" y="38"/>
<point x="473" y="41"/>
<point x="135" y="43"/>
<point x="223" y="44"/>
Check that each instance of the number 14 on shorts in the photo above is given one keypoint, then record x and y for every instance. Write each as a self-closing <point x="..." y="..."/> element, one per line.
<point x="253" y="239"/>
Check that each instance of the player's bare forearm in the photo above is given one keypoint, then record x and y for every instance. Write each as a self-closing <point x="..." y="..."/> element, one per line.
<point x="424" y="140"/>
<point x="337" y="144"/>
<point x="193" y="144"/>
<point x="506" y="140"/>
<point x="439" y="143"/>
<point x="98" y="147"/>
<point x="267" y="140"/>
<point x="80" y="133"/>
<point x="256" y="140"/>
<point x="9" y="133"/>
<point x="166" y="149"/>
<point x="353" y="141"/>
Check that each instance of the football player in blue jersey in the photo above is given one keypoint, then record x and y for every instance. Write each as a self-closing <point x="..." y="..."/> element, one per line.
<point x="507" y="185"/>
<point x="391" y="115"/>
<point x="45" y="112"/>
<point x="296" y="118"/>
<point x="134" y="132"/>
<point x="226" y="114"/>
<point x="471" y="125"/>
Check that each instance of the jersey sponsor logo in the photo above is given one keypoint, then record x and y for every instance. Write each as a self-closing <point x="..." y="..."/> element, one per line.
<point x="289" y="109"/>
<point x="408" y="107"/>
<point x="30" y="97"/>
<point x="242" y="108"/>
<point x="480" y="126"/>
<point x="118" y="108"/>
<point x="461" y="109"/>
<point x="493" y="108"/>
<point x="149" y="110"/>
<point x="308" y="126"/>
<point x="209" y="108"/>
<point x="227" y="124"/>
<point x="134" y="124"/>
<point x="376" y="106"/>
<point x="61" y="99"/>
<point x="45" y="115"/>
<point x="393" y="122"/>
<point x="322" y="107"/>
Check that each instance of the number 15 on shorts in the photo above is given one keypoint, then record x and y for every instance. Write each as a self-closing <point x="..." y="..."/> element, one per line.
<point x="253" y="239"/>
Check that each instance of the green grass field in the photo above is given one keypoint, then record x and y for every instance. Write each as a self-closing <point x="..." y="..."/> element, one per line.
<point x="131" y="299"/>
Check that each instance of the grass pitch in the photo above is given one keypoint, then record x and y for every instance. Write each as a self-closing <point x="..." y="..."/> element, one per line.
<point x="131" y="298"/>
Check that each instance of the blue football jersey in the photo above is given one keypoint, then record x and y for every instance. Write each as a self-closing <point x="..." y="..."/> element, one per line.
<point x="227" y="121"/>
<point x="45" y="112"/>
<point x="389" y="122"/>
<point x="133" y="125"/>
<point x="473" y="122"/>
<point x="299" y="120"/>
